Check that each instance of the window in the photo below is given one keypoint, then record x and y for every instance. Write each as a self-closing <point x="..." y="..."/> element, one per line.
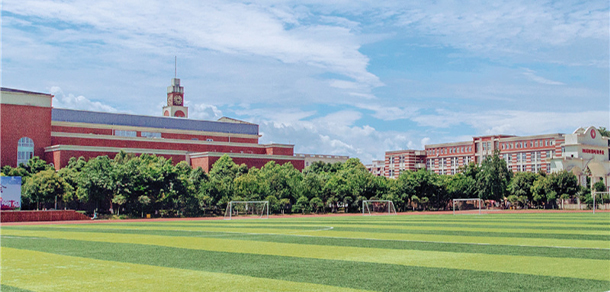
<point x="124" y="133"/>
<point x="536" y="143"/>
<point x="150" y="134"/>
<point x="209" y="140"/>
<point x="25" y="150"/>
<point x="546" y="142"/>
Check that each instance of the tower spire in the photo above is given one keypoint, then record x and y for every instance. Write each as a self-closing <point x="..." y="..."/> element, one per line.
<point x="175" y="66"/>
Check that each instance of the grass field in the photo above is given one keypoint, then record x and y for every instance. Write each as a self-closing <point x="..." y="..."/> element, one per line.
<point x="495" y="252"/>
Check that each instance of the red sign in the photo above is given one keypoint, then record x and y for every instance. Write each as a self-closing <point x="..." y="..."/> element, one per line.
<point x="593" y="151"/>
<point x="593" y="133"/>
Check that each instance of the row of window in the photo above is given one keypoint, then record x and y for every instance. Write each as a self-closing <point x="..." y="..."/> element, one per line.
<point x="125" y="133"/>
<point x="447" y="162"/>
<point x="464" y="149"/>
<point x="519" y="145"/>
<point x="522" y="157"/>
<point x="534" y="167"/>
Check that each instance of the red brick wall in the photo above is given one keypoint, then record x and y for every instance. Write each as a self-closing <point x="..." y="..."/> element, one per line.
<point x="61" y="158"/>
<point x="163" y="135"/>
<point x="17" y="121"/>
<point x="81" y="130"/>
<point x="155" y="144"/>
<point x="24" y="216"/>
<point x="280" y="151"/>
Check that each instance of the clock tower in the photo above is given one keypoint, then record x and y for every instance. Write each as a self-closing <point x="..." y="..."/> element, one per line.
<point x="175" y="101"/>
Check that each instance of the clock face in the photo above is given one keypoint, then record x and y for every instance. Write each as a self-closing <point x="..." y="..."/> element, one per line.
<point x="169" y="100"/>
<point x="177" y="100"/>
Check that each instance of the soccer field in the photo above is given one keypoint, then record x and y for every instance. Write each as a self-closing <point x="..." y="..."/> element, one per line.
<point x="494" y="252"/>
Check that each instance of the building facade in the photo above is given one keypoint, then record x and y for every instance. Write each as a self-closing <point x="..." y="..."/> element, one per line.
<point x="403" y="160"/>
<point x="32" y="127"/>
<point x="584" y="152"/>
<point x="377" y="167"/>
<point x="311" y="158"/>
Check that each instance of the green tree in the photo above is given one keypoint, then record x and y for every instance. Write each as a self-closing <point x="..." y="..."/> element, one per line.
<point x="95" y="182"/>
<point x="521" y="186"/>
<point x="302" y="205"/>
<point x="44" y="187"/>
<point x="493" y="178"/>
<point x="144" y="201"/>
<point x="316" y="204"/>
<point x="222" y="176"/>
<point x="460" y="186"/>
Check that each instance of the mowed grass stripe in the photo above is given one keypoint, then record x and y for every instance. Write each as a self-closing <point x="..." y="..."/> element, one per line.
<point x="369" y="276"/>
<point x="40" y="271"/>
<point x="579" y="268"/>
<point x="458" y="237"/>
<point x="585" y="253"/>
<point x="439" y="227"/>
<point x="7" y="288"/>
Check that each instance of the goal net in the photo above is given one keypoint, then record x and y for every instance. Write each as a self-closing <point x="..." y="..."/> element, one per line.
<point x="247" y="209"/>
<point x="378" y="207"/>
<point x="467" y="206"/>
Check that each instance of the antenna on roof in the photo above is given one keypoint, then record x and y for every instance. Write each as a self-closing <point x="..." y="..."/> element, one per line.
<point x="175" y="66"/>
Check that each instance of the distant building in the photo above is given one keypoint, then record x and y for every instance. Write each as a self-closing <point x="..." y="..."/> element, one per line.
<point x="30" y="126"/>
<point x="377" y="167"/>
<point x="403" y="160"/>
<point x="311" y="158"/>
<point x="584" y="152"/>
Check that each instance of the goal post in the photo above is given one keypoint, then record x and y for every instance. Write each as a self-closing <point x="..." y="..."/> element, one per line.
<point x="594" y="195"/>
<point x="471" y="205"/>
<point x="250" y="209"/>
<point x="374" y="207"/>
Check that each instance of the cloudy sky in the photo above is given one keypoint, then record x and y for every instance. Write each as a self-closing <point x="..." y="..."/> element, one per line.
<point x="342" y="77"/>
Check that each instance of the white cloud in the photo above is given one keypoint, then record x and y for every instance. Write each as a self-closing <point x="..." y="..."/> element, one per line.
<point x="234" y="28"/>
<point x="524" y="29"/>
<point x="70" y="101"/>
<point x="334" y="133"/>
<point x="532" y="76"/>
<point x="514" y="122"/>
<point x="203" y="111"/>
<point x="389" y="113"/>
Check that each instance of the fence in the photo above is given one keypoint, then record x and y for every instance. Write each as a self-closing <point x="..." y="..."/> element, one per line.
<point x="56" y="215"/>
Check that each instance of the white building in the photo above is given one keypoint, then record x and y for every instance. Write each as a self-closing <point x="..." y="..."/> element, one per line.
<point x="585" y="153"/>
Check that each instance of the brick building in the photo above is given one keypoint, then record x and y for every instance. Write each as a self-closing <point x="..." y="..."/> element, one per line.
<point x="584" y="152"/>
<point x="403" y="160"/>
<point x="30" y="126"/>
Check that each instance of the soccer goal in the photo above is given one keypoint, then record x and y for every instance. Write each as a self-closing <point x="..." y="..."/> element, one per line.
<point x="247" y="209"/>
<point x="378" y="207"/>
<point x="594" y="195"/>
<point x="467" y="206"/>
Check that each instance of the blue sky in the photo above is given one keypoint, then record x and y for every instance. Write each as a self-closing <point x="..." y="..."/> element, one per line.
<point x="354" y="78"/>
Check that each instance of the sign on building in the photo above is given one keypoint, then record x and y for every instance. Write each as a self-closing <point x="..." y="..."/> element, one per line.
<point x="10" y="192"/>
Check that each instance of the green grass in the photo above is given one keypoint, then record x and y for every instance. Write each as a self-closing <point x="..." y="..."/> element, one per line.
<point x="498" y="252"/>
